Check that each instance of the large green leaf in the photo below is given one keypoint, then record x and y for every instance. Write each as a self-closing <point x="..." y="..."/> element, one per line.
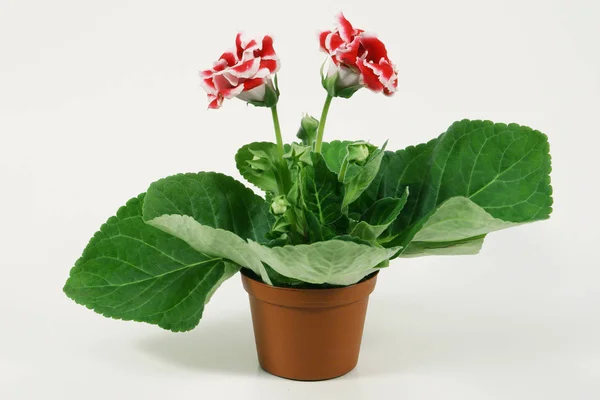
<point x="213" y="213"/>
<point x="212" y="199"/>
<point x="316" y="231"/>
<point x="378" y="217"/>
<point x="458" y="226"/>
<point x="322" y="193"/>
<point x="459" y="248"/>
<point x="334" y="262"/>
<point x="458" y="218"/>
<point x="208" y="240"/>
<point x="132" y="271"/>
<point x="503" y="169"/>
<point x="399" y="171"/>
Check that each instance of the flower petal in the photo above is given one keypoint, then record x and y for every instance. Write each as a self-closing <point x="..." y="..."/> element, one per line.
<point x="267" y="47"/>
<point x="206" y="73"/>
<point x="214" y="102"/>
<point x="219" y="65"/>
<point x="374" y="48"/>
<point x="250" y="84"/>
<point x="246" y="69"/>
<point x="238" y="46"/>
<point x="221" y="83"/>
<point x="368" y="76"/>
<point x="232" y="79"/>
<point x="255" y="94"/>
<point x="208" y="85"/>
<point x="345" y="28"/>
<point x="271" y="65"/>
<point x="231" y="92"/>
<point x="348" y="77"/>
<point x="322" y="37"/>
<point x="333" y="42"/>
<point x="229" y="58"/>
<point x="349" y="54"/>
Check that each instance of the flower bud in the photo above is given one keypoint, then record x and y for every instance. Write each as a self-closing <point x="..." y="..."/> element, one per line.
<point x="308" y="130"/>
<point x="279" y="205"/>
<point x="358" y="153"/>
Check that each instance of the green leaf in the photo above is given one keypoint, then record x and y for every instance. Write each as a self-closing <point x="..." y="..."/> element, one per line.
<point x="334" y="154"/>
<point x="255" y="169"/>
<point x="359" y="178"/>
<point x="378" y="217"/>
<point x="399" y="170"/>
<point x="212" y="199"/>
<point x="458" y="226"/>
<point x="469" y="246"/>
<point x="317" y="231"/>
<point x="208" y="240"/>
<point x="502" y="168"/>
<point x="132" y="271"/>
<point x="321" y="191"/>
<point x="334" y="262"/>
<point x="458" y="218"/>
<point x="225" y="211"/>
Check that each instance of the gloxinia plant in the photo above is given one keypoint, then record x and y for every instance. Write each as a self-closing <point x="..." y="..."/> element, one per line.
<point x="332" y="212"/>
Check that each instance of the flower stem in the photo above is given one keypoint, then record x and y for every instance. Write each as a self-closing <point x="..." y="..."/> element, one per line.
<point x="322" y="121"/>
<point x="277" y="130"/>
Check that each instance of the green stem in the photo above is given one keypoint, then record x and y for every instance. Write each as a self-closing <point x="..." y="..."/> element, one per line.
<point x="277" y="130"/>
<point x="322" y="121"/>
<point x="343" y="169"/>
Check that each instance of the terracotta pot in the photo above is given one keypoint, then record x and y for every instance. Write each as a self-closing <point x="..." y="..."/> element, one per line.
<point x="308" y="334"/>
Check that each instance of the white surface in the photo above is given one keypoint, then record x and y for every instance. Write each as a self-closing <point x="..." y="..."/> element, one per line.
<point x="98" y="99"/>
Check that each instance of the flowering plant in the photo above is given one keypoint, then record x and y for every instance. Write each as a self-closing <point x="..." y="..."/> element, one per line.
<point x="332" y="213"/>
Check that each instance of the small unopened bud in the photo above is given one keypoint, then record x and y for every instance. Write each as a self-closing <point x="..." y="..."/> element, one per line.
<point x="279" y="205"/>
<point x="358" y="153"/>
<point x="308" y="130"/>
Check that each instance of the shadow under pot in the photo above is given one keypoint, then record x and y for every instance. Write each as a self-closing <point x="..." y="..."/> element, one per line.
<point x="308" y="334"/>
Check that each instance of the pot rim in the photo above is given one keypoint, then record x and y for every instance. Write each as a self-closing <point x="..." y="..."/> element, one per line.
<point x="309" y="297"/>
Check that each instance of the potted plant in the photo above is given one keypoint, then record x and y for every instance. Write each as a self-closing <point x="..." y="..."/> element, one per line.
<point x="333" y="214"/>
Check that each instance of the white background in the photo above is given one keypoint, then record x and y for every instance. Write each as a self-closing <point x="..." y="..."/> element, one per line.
<point x="100" y="98"/>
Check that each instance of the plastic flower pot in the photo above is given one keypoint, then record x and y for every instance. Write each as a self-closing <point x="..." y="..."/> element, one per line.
<point x="308" y="334"/>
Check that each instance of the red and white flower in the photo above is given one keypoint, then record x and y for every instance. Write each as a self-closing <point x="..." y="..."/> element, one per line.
<point x="244" y="73"/>
<point x="359" y="58"/>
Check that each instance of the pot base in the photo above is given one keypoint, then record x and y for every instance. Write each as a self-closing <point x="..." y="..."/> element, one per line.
<point x="308" y="334"/>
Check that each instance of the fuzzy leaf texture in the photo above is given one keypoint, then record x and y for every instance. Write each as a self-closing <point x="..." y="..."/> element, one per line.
<point x="322" y="195"/>
<point x="378" y="217"/>
<point x="132" y="271"/>
<point x="334" y="262"/>
<point x="211" y="212"/>
<point x="501" y="171"/>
